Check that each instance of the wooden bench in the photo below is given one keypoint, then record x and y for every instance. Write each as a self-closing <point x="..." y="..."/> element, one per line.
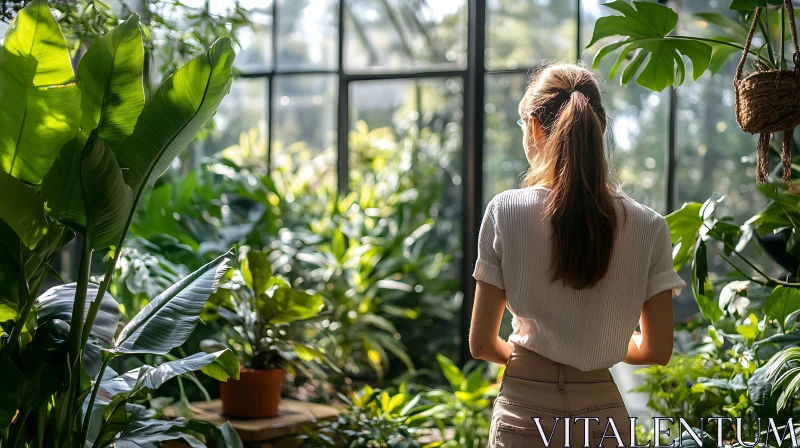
<point x="276" y="432"/>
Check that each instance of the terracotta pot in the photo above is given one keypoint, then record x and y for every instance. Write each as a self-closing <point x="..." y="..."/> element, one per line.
<point x="255" y="395"/>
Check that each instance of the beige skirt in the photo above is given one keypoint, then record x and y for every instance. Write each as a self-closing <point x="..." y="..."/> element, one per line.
<point x="573" y="407"/>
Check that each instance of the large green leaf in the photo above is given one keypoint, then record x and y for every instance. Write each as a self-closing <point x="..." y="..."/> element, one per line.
<point x="112" y="93"/>
<point x="219" y="365"/>
<point x="153" y="433"/>
<point x="175" y="113"/>
<point x="684" y="227"/>
<point x="168" y="320"/>
<point x="781" y="304"/>
<point x="57" y="303"/>
<point x="701" y="285"/>
<point x="451" y="371"/>
<point x="256" y="271"/>
<point x="645" y="27"/>
<point x="9" y="393"/>
<point x="112" y="97"/>
<point x="40" y="99"/>
<point x="107" y="198"/>
<point x="282" y="304"/>
<point x="22" y="209"/>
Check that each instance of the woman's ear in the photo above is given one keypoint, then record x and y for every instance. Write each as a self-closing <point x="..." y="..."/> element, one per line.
<point x="536" y="128"/>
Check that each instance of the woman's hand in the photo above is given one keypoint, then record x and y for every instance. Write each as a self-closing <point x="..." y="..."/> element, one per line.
<point x="487" y="314"/>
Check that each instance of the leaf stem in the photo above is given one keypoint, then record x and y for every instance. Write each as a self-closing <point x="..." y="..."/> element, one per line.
<point x="724" y="257"/>
<point x="94" y="308"/>
<point x="79" y="306"/>
<point x="766" y="35"/>
<point x="783" y="33"/>
<point x="88" y="418"/>
<point x="770" y="281"/>
<point x="721" y="42"/>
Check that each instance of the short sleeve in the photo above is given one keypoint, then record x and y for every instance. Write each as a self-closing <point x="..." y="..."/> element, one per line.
<point x="490" y="251"/>
<point x="662" y="276"/>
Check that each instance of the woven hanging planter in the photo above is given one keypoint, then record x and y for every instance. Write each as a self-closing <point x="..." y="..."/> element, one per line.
<point x="769" y="101"/>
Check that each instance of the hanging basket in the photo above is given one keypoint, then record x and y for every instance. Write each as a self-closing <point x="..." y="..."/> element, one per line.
<point x="769" y="101"/>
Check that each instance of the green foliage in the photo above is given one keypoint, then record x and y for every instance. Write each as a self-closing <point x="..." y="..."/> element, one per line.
<point x="91" y="179"/>
<point x="372" y="418"/>
<point x="744" y="365"/>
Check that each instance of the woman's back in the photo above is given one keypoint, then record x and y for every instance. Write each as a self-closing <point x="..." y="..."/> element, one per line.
<point x="586" y="328"/>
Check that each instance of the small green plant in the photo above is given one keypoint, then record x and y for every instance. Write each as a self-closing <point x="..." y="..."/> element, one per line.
<point x="373" y="419"/>
<point x="263" y="310"/>
<point x="466" y="408"/>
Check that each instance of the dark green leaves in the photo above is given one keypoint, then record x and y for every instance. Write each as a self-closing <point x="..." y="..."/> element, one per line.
<point x="108" y="200"/>
<point x="168" y="320"/>
<point x="22" y="209"/>
<point x="9" y="393"/>
<point x="701" y="285"/>
<point x="645" y="27"/>
<point x="220" y="365"/>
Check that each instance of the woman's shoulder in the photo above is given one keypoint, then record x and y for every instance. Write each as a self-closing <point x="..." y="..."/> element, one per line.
<point x="639" y="212"/>
<point x="516" y="198"/>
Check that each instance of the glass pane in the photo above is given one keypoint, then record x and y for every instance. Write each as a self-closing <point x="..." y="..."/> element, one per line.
<point x="405" y="35"/>
<point x="305" y="127"/>
<point x="255" y="53"/>
<point x="405" y="147"/>
<point x="240" y="125"/>
<point x="307" y="34"/>
<point x="504" y="156"/>
<point x="523" y="34"/>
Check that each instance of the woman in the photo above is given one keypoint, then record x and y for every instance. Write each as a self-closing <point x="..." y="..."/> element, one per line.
<point x="578" y="265"/>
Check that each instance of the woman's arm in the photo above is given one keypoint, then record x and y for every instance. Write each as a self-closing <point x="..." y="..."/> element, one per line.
<point x="487" y="314"/>
<point x="656" y="339"/>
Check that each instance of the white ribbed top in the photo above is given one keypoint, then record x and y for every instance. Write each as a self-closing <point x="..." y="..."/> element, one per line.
<point x="590" y="328"/>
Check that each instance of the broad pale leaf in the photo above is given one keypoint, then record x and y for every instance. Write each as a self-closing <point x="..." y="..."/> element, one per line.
<point x="219" y="365"/>
<point x="168" y="320"/>
<point x="57" y="303"/>
<point x="40" y="99"/>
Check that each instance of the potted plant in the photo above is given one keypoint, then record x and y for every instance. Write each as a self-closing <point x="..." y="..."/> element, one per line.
<point x="263" y="310"/>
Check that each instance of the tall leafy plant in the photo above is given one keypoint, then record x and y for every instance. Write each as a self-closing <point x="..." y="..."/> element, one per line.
<point x="76" y="154"/>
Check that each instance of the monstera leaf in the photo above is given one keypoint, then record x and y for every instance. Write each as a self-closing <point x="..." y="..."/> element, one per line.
<point x="168" y="320"/>
<point x="645" y="27"/>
